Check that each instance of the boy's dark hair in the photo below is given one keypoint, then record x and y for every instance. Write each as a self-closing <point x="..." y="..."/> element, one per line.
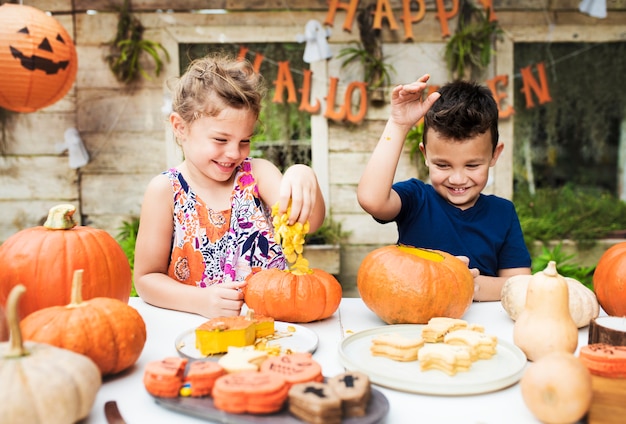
<point x="464" y="110"/>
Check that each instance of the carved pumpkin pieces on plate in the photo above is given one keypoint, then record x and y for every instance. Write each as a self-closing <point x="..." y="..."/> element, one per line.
<point x="38" y="60"/>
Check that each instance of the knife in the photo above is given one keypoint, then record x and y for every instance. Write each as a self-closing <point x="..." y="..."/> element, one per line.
<point x="112" y="413"/>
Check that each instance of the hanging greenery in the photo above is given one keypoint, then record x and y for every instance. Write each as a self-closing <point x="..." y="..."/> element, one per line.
<point x="469" y="49"/>
<point x="369" y="53"/>
<point x="128" y="47"/>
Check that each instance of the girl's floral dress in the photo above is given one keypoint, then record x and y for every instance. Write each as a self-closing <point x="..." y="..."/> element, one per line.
<point x="210" y="247"/>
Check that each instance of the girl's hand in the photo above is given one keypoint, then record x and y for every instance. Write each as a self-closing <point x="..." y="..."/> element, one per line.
<point x="299" y="184"/>
<point x="223" y="300"/>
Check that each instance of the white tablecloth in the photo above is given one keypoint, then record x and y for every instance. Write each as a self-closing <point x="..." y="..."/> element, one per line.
<point x="163" y="326"/>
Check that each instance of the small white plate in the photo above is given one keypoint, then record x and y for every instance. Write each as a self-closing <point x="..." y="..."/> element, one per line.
<point x="504" y="369"/>
<point x="300" y="340"/>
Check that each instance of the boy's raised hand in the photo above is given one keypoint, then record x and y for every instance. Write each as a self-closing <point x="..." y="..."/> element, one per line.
<point x="407" y="106"/>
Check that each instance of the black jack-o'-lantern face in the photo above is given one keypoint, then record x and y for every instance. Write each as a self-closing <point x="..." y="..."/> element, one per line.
<point x="36" y="61"/>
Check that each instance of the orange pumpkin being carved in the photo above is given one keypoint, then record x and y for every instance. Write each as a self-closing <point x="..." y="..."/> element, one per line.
<point x="38" y="60"/>
<point x="609" y="280"/>
<point x="292" y="296"/>
<point x="110" y="332"/>
<point x="44" y="258"/>
<point x="407" y="285"/>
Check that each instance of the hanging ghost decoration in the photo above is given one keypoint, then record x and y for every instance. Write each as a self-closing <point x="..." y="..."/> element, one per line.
<point x="317" y="47"/>
<point x="77" y="153"/>
<point x="594" y="8"/>
<point x="37" y="59"/>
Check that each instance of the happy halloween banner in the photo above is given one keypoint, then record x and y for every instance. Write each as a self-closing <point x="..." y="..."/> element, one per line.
<point x="343" y="109"/>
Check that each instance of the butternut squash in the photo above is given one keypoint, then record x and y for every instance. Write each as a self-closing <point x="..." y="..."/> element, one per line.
<point x="546" y="325"/>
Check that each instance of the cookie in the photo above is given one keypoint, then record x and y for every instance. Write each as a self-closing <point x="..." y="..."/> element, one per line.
<point x="397" y="347"/>
<point x="354" y="390"/>
<point x="444" y="357"/>
<point x="164" y="378"/>
<point x="481" y="345"/>
<point x="438" y="327"/>
<point x="294" y="367"/>
<point x="239" y="359"/>
<point x="201" y="376"/>
<point x="252" y="392"/>
<point x="315" y="402"/>
<point x="604" y="360"/>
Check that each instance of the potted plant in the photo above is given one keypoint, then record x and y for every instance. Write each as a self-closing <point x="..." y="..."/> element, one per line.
<point x="322" y="248"/>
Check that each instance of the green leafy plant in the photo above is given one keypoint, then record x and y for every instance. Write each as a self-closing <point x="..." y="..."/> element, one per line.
<point x="127" y="238"/>
<point x="413" y="140"/>
<point x="375" y="70"/>
<point x="569" y="212"/>
<point x="564" y="265"/>
<point x="128" y="47"/>
<point x="329" y="233"/>
<point x="470" y="47"/>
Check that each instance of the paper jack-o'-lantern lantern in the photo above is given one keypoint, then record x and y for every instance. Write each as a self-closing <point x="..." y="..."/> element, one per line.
<point x="37" y="59"/>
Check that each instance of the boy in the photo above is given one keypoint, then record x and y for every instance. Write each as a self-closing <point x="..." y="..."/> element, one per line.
<point x="460" y="144"/>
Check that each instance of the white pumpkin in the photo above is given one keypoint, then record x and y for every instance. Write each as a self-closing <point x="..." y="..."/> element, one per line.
<point x="40" y="383"/>
<point x="583" y="304"/>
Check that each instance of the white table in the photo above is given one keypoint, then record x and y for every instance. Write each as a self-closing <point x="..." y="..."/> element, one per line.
<point x="163" y="326"/>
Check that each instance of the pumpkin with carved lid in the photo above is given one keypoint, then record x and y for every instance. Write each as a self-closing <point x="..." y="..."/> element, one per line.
<point x="408" y="285"/>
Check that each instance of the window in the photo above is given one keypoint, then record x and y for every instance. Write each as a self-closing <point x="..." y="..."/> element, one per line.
<point x="577" y="137"/>
<point x="284" y="136"/>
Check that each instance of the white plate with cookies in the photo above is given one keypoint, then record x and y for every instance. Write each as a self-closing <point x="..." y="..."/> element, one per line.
<point x="501" y="370"/>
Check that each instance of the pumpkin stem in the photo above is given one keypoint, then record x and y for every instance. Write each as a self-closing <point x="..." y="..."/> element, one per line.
<point x="16" y="348"/>
<point x="550" y="270"/>
<point x="77" y="289"/>
<point x="61" y="217"/>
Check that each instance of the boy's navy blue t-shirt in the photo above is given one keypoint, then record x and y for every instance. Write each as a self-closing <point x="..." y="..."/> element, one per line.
<point x="488" y="233"/>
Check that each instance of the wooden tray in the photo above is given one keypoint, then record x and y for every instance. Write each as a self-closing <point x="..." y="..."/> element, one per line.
<point x="609" y="401"/>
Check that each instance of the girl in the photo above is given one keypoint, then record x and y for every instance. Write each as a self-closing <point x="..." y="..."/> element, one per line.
<point x="205" y="224"/>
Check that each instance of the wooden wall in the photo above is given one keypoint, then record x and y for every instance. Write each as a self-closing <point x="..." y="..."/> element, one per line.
<point x="128" y="140"/>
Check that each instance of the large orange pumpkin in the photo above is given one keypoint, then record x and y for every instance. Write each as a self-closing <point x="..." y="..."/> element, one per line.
<point x="38" y="60"/>
<point x="609" y="280"/>
<point x="293" y="296"/>
<point x="44" y="258"/>
<point x="108" y="331"/>
<point x="408" y="285"/>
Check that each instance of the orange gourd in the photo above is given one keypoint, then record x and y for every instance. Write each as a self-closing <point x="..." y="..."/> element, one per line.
<point x="557" y="388"/>
<point x="403" y="284"/>
<point x="109" y="331"/>
<point x="609" y="280"/>
<point x="43" y="259"/>
<point x="293" y="296"/>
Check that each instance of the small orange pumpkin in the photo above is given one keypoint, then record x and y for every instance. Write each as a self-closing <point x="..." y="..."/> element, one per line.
<point x="403" y="284"/>
<point x="109" y="331"/>
<point x="43" y="259"/>
<point x="38" y="59"/>
<point x="293" y="296"/>
<point x="609" y="280"/>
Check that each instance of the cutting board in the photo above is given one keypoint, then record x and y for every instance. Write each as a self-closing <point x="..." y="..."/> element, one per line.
<point x="609" y="401"/>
